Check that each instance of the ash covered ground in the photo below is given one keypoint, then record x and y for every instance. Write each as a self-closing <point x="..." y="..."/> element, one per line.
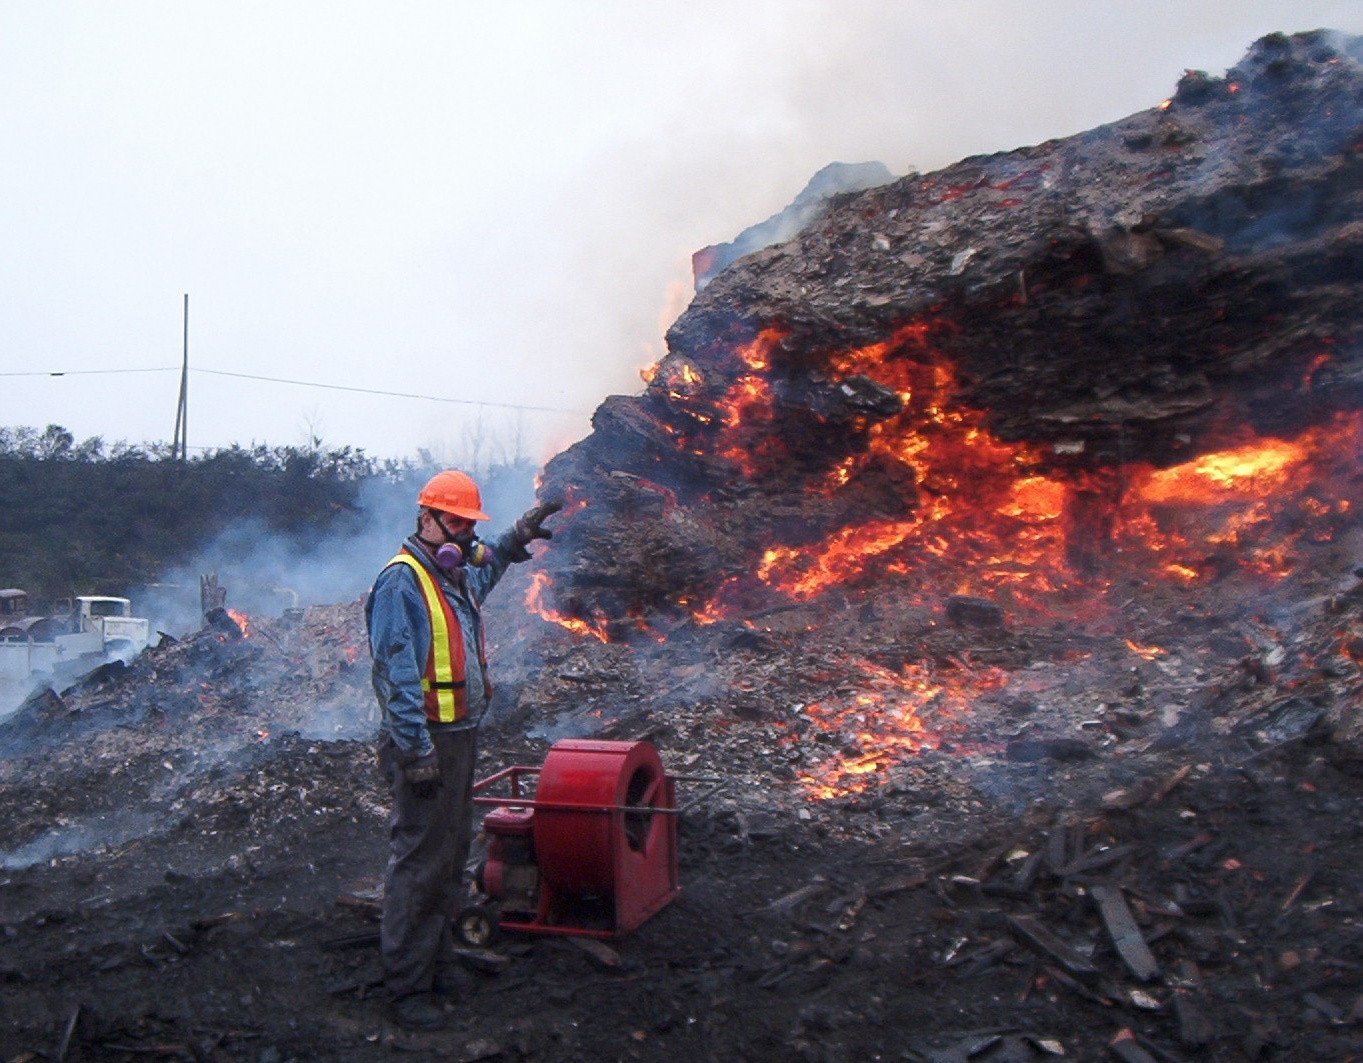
<point x="220" y="904"/>
<point x="1008" y="580"/>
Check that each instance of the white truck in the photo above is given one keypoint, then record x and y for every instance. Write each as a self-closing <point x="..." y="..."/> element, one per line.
<point x="112" y="619"/>
<point x="93" y="630"/>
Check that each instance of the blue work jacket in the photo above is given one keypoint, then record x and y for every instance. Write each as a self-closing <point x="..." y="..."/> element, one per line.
<point x="400" y="640"/>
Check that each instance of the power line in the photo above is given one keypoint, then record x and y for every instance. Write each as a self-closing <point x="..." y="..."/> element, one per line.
<point x="390" y="394"/>
<point x="92" y="372"/>
<point x="303" y="384"/>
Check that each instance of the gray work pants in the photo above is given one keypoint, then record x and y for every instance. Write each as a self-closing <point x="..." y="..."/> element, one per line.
<point x="427" y="848"/>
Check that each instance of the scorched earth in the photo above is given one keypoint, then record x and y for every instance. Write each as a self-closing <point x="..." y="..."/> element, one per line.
<point x="995" y="540"/>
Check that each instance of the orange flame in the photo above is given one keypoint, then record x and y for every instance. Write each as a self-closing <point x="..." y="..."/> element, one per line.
<point x="991" y="519"/>
<point x="719" y="607"/>
<point x="1005" y="520"/>
<point x="243" y="622"/>
<point x="747" y="409"/>
<point x="674" y="302"/>
<point x="1254" y="502"/>
<point x="1250" y="471"/>
<point x="757" y="354"/>
<point x="986" y="518"/>
<point x="681" y="379"/>
<point x="806" y="573"/>
<point x="534" y="602"/>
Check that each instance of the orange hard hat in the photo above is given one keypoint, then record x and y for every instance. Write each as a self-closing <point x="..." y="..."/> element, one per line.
<point x="453" y="492"/>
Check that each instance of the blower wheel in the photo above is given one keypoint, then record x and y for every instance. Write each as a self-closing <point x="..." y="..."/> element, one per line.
<point x="476" y="926"/>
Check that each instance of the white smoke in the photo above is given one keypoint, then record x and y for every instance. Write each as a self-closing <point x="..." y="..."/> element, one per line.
<point x="265" y="571"/>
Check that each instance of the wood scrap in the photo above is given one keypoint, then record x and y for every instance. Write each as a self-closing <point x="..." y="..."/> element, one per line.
<point x="1125" y="934"/>
<point x="1039" y="938"/>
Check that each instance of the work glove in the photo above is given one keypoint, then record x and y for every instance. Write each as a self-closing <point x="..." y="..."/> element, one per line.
<point x="423" y="775"/>
<point x="531" y="525"/>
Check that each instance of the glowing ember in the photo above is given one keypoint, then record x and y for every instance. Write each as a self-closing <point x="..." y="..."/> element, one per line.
<point x="705" y="615"/>
<point x="806" y="573"/>
<point x="721" y="605"/>
<point x="986" y="520"/>
<point x="748" y="395"/>
<point x="1252" y="503"/>
<point x="1351" y="646"/>
<point x="886" y="717"/>
<point x="243" y="622"/>
<point x="1150" y="653"/>
<point x="748" y="405"/>
<point x="840" y="475"/>
<point x="996" y="519"/>
<point x="681" y="379"/>
<point x="747" y="411"/>
<point x="540" y="592"/>
<point x="1035" y="498"/>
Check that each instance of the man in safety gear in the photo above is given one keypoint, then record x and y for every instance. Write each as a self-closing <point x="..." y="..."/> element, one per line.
<point x="430" y="676"/>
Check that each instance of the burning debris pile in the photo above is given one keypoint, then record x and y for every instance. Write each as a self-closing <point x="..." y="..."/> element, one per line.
<point x="997" y="539"/>
<point x="1092" y="384"/>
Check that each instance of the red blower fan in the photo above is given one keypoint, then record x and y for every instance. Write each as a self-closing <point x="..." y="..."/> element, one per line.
<point x="593" y="852"/>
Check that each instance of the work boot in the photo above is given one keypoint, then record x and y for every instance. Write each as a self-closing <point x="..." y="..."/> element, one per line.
<point x="420" y="1011"/>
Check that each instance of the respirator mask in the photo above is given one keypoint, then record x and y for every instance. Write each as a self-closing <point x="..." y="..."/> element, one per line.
<point x="454" y="556"/>
<point x="465" y="549"/>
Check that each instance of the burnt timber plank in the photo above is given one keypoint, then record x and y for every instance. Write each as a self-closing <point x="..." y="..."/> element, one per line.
<point x="1126" y="935"/>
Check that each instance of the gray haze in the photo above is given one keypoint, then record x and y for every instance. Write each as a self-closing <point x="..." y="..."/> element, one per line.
<point x="265" y="572"/>
<point x="495" y="202"/>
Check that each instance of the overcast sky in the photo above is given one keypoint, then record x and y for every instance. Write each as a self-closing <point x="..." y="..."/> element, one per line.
<point x="489" y="201"/>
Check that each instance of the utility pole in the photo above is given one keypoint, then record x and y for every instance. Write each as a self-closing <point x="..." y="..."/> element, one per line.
<point x="179" y="447"/>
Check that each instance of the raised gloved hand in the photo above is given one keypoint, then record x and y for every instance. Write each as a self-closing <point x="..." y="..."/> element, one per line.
<point x="423" y="775"/>
<point x="531" y="525"/>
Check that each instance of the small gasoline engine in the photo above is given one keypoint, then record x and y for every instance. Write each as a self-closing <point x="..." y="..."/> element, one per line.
<point x="592" y="853"/>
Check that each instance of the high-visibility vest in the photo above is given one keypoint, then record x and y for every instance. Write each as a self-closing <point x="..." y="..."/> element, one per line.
<point x="445" y="677"/>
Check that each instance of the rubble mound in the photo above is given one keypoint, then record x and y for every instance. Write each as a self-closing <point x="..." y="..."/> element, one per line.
<point x="995" y="540"/>
<point x="125" y="748"/>
<point x="1031" y="333"/>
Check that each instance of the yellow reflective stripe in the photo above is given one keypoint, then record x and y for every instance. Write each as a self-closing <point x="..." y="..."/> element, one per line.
<point x="448" y="711"/>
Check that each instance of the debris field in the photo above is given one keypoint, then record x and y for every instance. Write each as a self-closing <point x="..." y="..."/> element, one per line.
<point x="996" y="540"/>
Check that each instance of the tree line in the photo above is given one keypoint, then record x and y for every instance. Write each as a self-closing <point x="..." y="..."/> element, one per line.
<point x="93" y="518"/>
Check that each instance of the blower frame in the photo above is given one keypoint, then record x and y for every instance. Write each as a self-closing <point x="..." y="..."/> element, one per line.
<point x="593" y="852"/>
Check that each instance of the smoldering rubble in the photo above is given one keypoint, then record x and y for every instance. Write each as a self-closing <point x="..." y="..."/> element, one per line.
<point x="995" y="540"/>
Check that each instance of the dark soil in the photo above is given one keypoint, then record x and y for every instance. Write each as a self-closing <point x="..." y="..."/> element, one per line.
<point x="873" y="926"/>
